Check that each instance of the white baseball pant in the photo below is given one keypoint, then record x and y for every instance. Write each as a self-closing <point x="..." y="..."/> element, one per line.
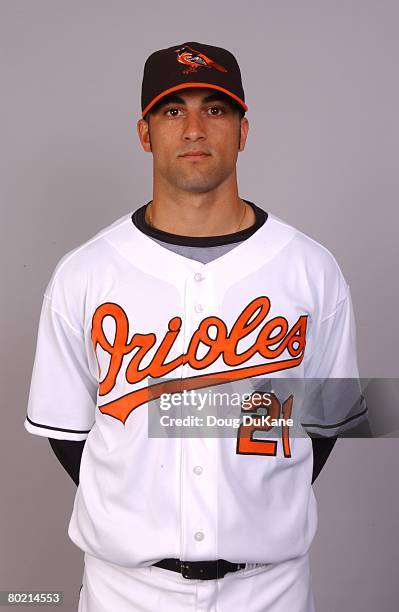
<point x="270" y="588"/>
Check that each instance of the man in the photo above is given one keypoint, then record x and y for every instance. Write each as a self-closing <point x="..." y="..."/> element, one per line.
<point x="195" y="288"/>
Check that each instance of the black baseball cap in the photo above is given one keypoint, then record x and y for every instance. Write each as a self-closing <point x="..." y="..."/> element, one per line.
<point x="190" y="64"/>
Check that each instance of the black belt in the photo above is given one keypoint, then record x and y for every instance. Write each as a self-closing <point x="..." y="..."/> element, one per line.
<point x="200" y="570"/>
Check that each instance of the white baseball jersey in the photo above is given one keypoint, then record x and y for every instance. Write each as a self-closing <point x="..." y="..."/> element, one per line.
<point x="120" y="311"/>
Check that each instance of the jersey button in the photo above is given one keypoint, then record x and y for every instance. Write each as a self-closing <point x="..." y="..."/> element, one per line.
<point x="198" y="276"/>
<point x="199" y="536"/>
<point x="198" y="308"/>
<point x="197" y="470"/>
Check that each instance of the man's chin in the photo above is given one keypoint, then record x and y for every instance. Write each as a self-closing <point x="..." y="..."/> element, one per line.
<point x="195" y="188"/>
<point x="198" y="184"/>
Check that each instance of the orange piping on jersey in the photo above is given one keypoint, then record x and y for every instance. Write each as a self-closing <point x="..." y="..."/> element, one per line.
<point x="287" y="412"/>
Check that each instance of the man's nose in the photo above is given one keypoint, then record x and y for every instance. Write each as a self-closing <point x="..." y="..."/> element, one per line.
<point x="194" y="128"/>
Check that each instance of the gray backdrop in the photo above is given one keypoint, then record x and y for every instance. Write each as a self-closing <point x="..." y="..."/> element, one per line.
<point x="321" y="84"/>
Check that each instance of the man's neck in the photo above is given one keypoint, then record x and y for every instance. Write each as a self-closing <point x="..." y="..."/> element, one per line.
<point x="205" y="214"/>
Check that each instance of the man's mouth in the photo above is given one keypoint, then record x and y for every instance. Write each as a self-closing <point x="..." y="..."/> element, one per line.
<point x="195" y="155"/>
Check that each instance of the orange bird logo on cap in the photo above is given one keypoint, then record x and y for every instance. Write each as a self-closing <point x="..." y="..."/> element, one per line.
<point x="194" y="60"/>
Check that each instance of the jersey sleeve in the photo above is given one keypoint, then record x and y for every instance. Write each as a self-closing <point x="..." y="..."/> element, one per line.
<point x="333" y="401"/>
<point x="63" y="391"/>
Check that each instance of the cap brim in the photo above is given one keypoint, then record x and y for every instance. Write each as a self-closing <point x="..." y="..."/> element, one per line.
<point x="184" y="86"/>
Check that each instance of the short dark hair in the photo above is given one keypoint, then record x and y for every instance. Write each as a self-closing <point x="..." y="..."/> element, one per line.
<point x="174" y="96"/>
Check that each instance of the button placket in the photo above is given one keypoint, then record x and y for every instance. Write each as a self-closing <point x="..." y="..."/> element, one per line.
<point x="199" y="490"/>
<point x="199" y="536"/>
<point x="198" y="290"/>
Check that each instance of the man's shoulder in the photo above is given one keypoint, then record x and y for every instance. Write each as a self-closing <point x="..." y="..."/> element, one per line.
<point x="301" y="240"/>
<point x="304" y="245"/>
<point x="313" y="261"/>
<point x="74" y="266"/>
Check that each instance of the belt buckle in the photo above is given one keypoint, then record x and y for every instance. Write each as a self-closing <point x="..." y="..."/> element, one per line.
<point x="193" y="570"/>
<point x="201" y="570"/>
<point x="185" y="569"/>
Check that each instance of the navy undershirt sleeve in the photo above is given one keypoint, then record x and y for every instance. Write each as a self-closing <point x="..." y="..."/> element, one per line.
<point x="322" y="447"/>
<point x="69" y="454"/>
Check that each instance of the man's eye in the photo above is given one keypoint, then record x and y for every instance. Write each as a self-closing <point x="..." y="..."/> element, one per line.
<point x="212" y="110"/>
<point x="172" y="110"/>
<point x="218" y="109"/>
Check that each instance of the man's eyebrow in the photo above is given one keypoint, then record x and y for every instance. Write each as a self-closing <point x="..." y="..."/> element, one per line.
<point x="175" y="99"/>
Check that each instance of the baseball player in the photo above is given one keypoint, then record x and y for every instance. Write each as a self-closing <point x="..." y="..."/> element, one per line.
<point x="195" y="288"/>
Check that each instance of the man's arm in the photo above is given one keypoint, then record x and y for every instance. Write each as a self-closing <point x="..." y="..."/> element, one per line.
<point x="69" y="454"/>
<point x="322" y="447"/>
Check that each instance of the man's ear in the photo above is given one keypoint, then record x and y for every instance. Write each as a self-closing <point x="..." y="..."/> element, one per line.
<point x="244" y="127"/>
<point x="143" y="131"/>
